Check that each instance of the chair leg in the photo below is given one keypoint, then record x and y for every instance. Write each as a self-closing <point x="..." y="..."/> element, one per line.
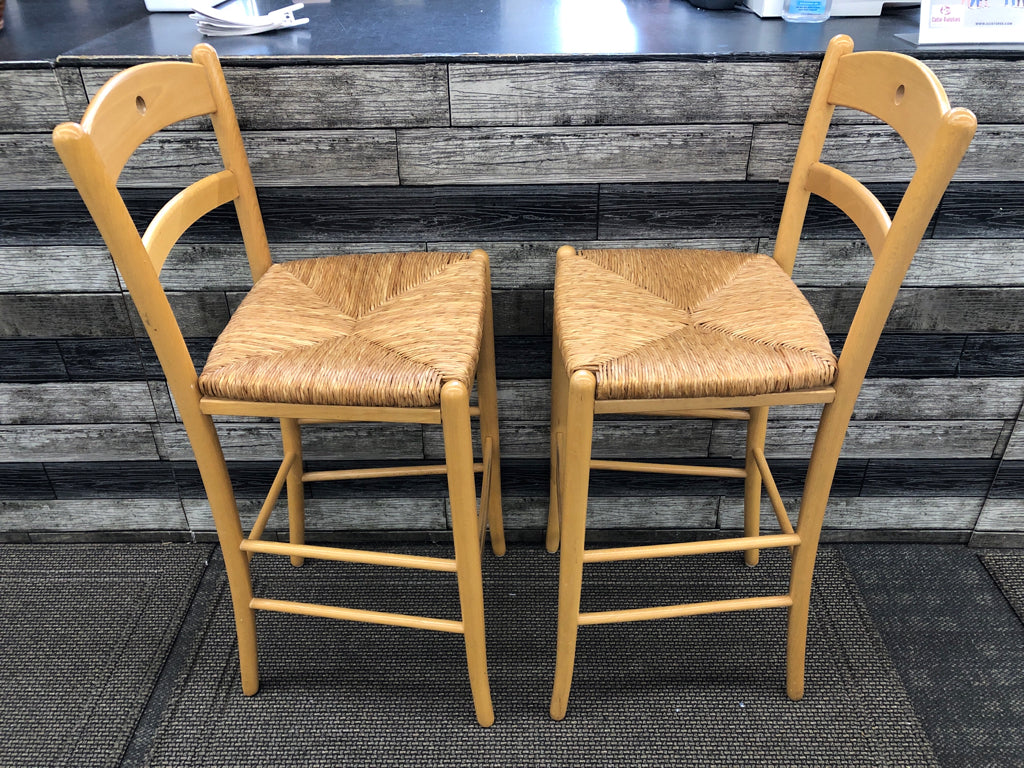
<point x="214" y="471"/>
<point x="291" y="436"/>
<point x="817" y="487"/>
<point x="487" y="393"/>
<point x="559" y="397"/>
<point x="458" y="448"/>
<point x="756" y="429"/>
<point x="576" y="481"/>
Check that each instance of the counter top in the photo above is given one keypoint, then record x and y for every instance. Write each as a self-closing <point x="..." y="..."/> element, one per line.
<point x="118" y="32"/>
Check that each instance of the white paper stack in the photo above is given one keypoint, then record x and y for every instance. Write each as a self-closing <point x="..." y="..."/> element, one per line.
<point x="229" y="23"/>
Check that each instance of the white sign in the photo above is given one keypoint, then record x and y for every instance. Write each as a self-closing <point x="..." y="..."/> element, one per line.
<point x="972" y="21"/>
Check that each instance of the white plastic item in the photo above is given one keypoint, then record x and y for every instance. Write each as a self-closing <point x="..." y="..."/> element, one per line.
<point x="773" y="8"/>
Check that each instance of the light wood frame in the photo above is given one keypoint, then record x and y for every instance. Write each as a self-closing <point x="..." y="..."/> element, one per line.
<point x="905" y="94"/>
<point x="134" y="105"/>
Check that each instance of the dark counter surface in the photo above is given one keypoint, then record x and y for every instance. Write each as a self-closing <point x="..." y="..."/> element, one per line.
<point x="118" y="31"/>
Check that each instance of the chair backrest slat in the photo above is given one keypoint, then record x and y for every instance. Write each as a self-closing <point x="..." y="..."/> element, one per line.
<point x="854" y="199"/>
<point x="183" y="210"/>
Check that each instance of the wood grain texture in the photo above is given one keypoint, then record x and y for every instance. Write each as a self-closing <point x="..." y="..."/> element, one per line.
<point x="950" y="438"/>
<point x="74" y="442"/>
<point x="643" y="512"/>
<point x="74" y="515"/>
<point x="971" y="262"/>
<point x="262" y="441"/>
<point x="347" y="95"/>
<point x="612" y="439"/>
<point x="1001" y="516"/>
<point x="177" y="158"/>
<point x="865" y="513"/>
<point x="31" y="360"/>
<point x="24" y="480"/>
<point x="630" y="93"/>
<point x="32" y="101"/>
<point x="985" y="86"/>
<point x="49" y="315"/>
<point x="573" y="156"/>
<point x="942" y="310"/>
<point x="640" y="211"/>
<point x="982" y="209"/>
<point x="993" y="355"/>
<point x="57" y="269"/>
<point x="876" y="153"/>
<point x="112" y="480"/>
<point x="335" y="514"/>
<point x="76" y="403"/>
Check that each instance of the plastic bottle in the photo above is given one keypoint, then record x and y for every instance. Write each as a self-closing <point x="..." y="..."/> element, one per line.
<point x="806" y="10"/>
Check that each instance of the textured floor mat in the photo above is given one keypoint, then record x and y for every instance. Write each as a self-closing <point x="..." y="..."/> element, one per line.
<point x="696" y="691"/>
<point x="84" y="631"/>
<point x="1007" y="569"/>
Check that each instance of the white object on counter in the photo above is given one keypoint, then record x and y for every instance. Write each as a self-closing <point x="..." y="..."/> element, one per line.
<point x="772" y="8"/>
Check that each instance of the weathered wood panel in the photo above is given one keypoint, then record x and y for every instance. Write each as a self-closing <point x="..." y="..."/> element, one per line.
<point x="944" y="310"/>
<point x="277" y="158"/>
<point x="582" y="155"/>
<point x="72" y="442"/>
<point x="346" y="96"/>
<point x="877" y="153"/>
<point x="57" y="269"/>
<point x="112" y="480"/>
<point x="981" y="209"/>
<point x="24" y="480"/>
<point x="112" y="359"/>
<point x="1015" y="448"/>
<point x="32" y="101"/>
<point x="630" y="93"/>
<point x="334" y="515"/>
<point x="643" y="512"/>
<point x="938" y="263"/>
<point x="78" y="403"/>
<point x="335" y="214"/>
<point x="870" y="439"/>
<point x="716" y="209"/>
<point x="612" y="439"/>
<point x="49" y="315"/>
<point x="1001" y="515"/>
<point x="199" y="313"/>
<point x="993" y="355"/>
<point x="870" y="513"/>
<point x="31" y="360"/>
<point x="262" y="441"/>
<point x="93" y="515"/>
<point x="987" y="87"/>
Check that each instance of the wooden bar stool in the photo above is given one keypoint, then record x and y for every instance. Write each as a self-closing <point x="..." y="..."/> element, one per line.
<point x="708" y="334"/>
<point x="397" y="337"/>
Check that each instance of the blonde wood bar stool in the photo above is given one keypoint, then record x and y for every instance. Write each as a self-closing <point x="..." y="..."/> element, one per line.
<point x="707" y="334"/>
<point x="397" y="337"/>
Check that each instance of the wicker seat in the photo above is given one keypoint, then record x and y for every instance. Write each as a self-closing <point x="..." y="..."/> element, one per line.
<point x="351" y="338"/>
<point x="706" y="334"/>
<point x="661" y="323"/>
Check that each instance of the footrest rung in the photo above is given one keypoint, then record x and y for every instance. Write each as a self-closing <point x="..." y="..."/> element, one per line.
<point x="689" y="609"/>
<point x="356" y="614"/>
<point x="348" y="555"/>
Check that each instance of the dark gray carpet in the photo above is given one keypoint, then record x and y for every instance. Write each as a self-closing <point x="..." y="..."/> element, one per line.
<point x="958" y="648"/>
<point x="1007" y="568"/>
<point x="696" y="691"/>
<point x="84" y="630"/>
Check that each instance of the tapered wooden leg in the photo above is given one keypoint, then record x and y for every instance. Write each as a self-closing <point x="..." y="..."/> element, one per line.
<point x="820" y="473"/>
<point x="576" y="481"/>
<point x="487" y="393"/>
<point x="458" y="448"/>
<point x="756" y="429"/>
<point x="214" y="472"/>
<point x="559" y="400"/>
<point x="291" y="436"/>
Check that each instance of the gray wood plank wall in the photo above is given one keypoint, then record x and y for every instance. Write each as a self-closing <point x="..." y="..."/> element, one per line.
<point x="516" y="158"/>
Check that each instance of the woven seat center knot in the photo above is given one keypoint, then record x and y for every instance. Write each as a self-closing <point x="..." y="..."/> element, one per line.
<point x="660" y="323"/>
<point x="366" y="330"/>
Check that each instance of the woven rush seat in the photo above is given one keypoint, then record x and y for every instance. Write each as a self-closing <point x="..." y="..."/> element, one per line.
<point x="371" y="330"/>
<point x="660" y="323"/>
